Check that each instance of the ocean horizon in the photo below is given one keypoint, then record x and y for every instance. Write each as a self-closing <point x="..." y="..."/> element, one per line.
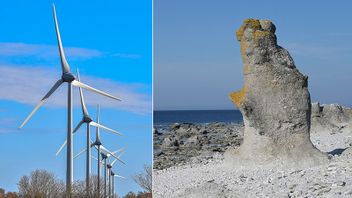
<point x="167" y="117"/>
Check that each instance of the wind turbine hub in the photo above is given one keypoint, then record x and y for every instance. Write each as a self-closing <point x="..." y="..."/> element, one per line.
<point x="87" y="119"/>
<point x="68" y="77"/>
<point x="104" y="156"/>
<point x="97" y="143"/>
<point x="109" y="166"/>
<point x="112" y="173"/>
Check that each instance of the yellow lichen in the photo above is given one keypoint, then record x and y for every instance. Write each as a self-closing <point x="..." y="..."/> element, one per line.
<point x="238" y="97"/>
<point x="261" y="34"/>
<point x="252" y="23"/>
<point x="239" y="33"/>
<point x="247" y="23"/>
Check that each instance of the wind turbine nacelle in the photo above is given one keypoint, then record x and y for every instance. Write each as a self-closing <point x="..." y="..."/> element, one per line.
<point x="97" y="143"/>
<point x="109" y="166"/>
<point x="87" y="119"/>
<point x="68" y="77"/>
<point x="104" y="156"/>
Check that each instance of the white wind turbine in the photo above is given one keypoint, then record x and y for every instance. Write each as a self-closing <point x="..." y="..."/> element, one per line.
<point x="70" y="79"/>
<point x="98" y="145"/>
<point x="107" y="168"/>
<point x="89" y="122"/>
<point x="113" y="175"/>
<point x="104" y="157"/>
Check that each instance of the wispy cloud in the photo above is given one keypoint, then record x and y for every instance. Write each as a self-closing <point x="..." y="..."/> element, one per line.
<point x="47" y="52"/>
<point x="317" y="51"/>
<point x="28" y="84"/>
<point x="127" y="55"/>
<point x="7" y="121"/>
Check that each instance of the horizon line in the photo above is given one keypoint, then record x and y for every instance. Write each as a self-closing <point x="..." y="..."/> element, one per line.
<point x="194" y="110"/>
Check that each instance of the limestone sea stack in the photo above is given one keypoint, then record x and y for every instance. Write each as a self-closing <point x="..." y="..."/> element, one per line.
<point x="274" y="101"/>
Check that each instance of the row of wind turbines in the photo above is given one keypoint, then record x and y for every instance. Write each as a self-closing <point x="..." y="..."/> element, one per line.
<point x="103" y="153"/>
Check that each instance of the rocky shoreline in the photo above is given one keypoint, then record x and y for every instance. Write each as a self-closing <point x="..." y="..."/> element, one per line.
<point x="181" y="143"/>
<point x="189" y="161"/>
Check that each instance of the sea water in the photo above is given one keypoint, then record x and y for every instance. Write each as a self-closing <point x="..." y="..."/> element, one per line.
<point x="163" y="118"/>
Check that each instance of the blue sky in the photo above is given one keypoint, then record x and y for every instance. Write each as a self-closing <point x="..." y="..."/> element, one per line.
<point x="110" y="42"/>
<point x="197" y="59"/>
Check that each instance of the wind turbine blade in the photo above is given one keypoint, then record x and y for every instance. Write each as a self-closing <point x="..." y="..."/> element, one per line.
<point x="112" y="154"/>
<point x="83" y="104"/>
<point x="62" y="146"/>
<point x="120" y="150"/>
<point x="84" y="86"/>
<point x="121" y="154"/>
<point x="52" y="90"/>
<point x="96" y="147"/>
<point x="113" y="162"/>
<point x="78" y="154"/>
<point x="104" y="127"/>
<point x="102" y="162"/>
<point x="94" y="157"/>
<point x="78" y="126"/>
<point x="119" y="176"/>
<point x="64" y="65"/>
<point x="105" y="149"/>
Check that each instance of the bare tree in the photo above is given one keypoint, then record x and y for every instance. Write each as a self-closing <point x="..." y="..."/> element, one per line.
<point x="2" y="193"/>
<point x="41" y="184"/>
<point x="130" y="195"/>
<point x="8" y="194"/>
<point x="144" y="179"/>
<point x="11" y="195"/>
<point x="138" y="195"/>
<point x="79" y="188"/>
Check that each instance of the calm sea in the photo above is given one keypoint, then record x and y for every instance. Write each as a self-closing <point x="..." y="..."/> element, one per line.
<point x="162" y="118"/>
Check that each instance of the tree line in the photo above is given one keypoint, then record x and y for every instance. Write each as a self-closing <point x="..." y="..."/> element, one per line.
<point x="44" y="184"/>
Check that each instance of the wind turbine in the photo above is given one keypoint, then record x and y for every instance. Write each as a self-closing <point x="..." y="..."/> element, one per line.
<point x="70" y="79"/>
<point x="109" y="166"/>
<point x="105" y="156"/>
<point x="104" y="159"/>
<point x="98" y="145"/>
<point x="113" y="175"/>
<point x="89" y="122"/>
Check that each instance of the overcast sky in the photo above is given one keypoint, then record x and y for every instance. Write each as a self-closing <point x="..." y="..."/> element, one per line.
<point x="197" y="58"/>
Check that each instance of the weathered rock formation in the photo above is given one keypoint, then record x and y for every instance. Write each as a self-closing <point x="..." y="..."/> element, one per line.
<point x="274" y="101"/>
<point x="331" y="117"/>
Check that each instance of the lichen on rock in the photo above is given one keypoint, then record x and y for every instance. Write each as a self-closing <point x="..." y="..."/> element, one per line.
<point x="274" y="101"/>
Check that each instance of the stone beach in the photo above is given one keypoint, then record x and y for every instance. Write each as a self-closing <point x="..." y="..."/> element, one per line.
<point x="189" y="171"/>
